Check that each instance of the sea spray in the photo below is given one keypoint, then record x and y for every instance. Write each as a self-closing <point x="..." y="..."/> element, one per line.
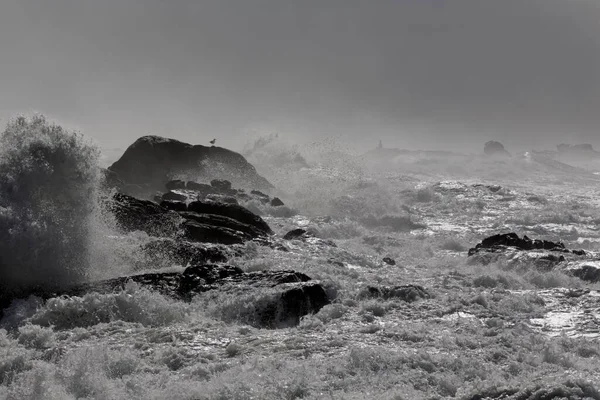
<point x="48" y="193"/>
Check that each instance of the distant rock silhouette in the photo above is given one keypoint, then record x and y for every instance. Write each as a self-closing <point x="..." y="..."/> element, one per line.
<point x="577" y="151"/>
<point x="152" y="161"/>
<point x="493" y="148"/>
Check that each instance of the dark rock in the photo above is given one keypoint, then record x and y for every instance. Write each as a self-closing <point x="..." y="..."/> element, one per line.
<point x="298" y="233"/>
<point x="181" y="252"/>
<point x="498" y="242"/>
<point x="389" y="261"/>
<point x="272" y="299"/>
<point x="174" y="196"/>
<point x="199" y="232"/>
<point x="259" y="194"/>
<point x="233" y="211"/>
<point x="173" y="205"/>
<point x="153" y="161"/>
<point x="493" y="148"/>
<point x="223" y="221"/>
<point x="142" y="215"/>
<point x="176" y="184"/>
<point x="276" y="202"/>
<point x="221" y="184"/>
<point x="407" y="293"/>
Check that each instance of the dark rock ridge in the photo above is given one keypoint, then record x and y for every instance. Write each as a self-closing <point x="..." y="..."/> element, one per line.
<point x="288" y="296"/>
<point x="152" y="161"/>
<point x="500" y="241"/>
<point x="544" y="255"/>
<point x="199" y="221"/>
<point x="493" y="148"/>
<point x="219" y="190"/>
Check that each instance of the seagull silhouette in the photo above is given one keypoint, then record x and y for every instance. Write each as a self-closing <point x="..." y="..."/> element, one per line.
<point x="213" y="141"/>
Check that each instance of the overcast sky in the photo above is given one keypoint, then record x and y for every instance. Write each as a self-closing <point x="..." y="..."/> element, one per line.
<point x="415" y="73"/>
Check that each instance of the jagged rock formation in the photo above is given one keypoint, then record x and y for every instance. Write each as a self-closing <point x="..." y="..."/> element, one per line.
<point x="152" y="161"/>
<point x="200" y="221"/>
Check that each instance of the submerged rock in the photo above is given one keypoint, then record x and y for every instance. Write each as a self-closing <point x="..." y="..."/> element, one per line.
<point x="281" y="298"/>
<point x="499" y="242"/>
<point x="543" y="255"/>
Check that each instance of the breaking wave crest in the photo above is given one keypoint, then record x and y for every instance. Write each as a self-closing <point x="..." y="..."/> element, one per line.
<point x="48" y="194"/>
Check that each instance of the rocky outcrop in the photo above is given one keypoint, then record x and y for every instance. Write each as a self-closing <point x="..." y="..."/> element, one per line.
<point x="134" y="214"/>
<point x="276" y="202"/>
<point x="208" y="222"/>
<point x="518" y="253"/>
<point x="281" y="298"/>
<point x="152" y="161"/>
<point x="501" y="241"/>
<point x="496" y="149"/>
<point x="233" y="211"/>
<point x="181" y="252"/>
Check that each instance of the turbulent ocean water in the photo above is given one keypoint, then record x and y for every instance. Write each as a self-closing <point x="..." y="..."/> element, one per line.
<point x="484" y="331"/>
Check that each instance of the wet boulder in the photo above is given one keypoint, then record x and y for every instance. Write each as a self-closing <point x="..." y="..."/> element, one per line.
<point x="501" y="241"/>
<point x="267" y="299"/>
<point x="206" y="233"/>
<point x="295" y="234"/>
<point x="543" y="255"/>
<point x="258" y="193"/>
<point x="216" y="220"/>
<point x="389" y="261"/>
<point x="221" y="185"/>
<point x="276" y="202"/>
<point x="134" y="214"/>
<point x="233" y="211"/>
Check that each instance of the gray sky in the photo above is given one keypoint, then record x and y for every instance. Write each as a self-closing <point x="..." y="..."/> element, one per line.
<point x="415" y="73"/>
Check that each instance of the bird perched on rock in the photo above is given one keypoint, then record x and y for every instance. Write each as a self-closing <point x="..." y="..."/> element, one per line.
<point x="213" y="141"/>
